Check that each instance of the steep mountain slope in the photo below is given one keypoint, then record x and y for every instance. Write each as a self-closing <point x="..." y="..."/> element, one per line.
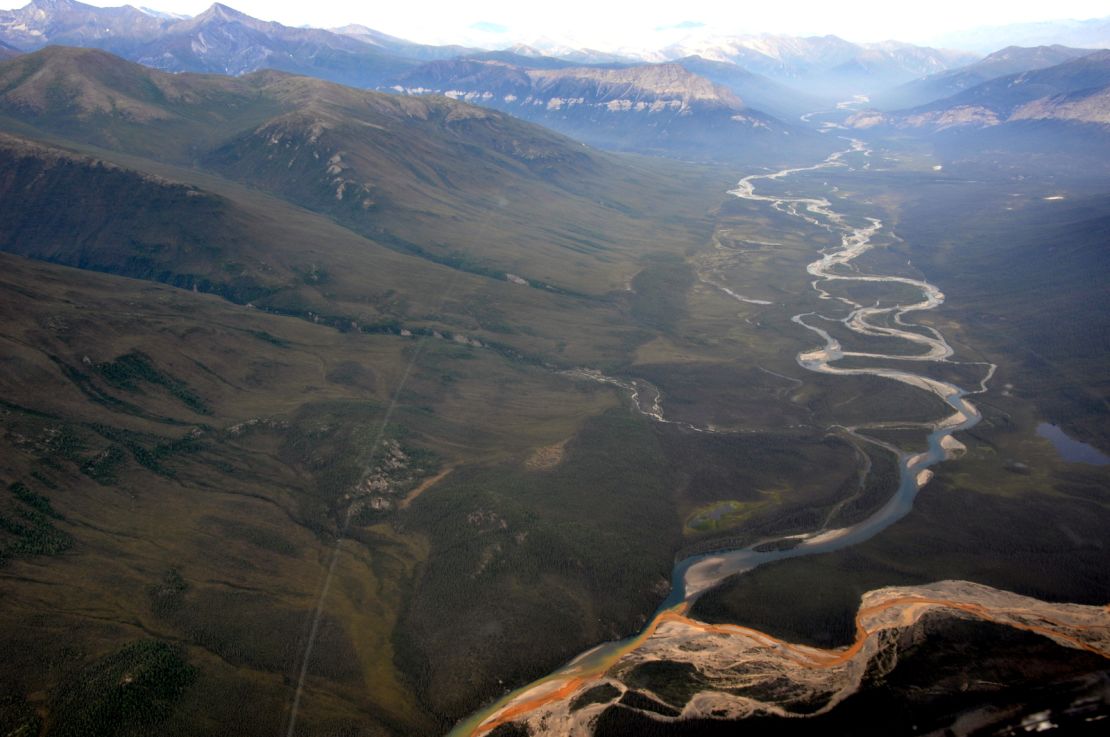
<point x="101" y="99"/>
<point x="400" y="168"/>
<point x="400" y="46"/>
<point x="450" y="184"/>
<point x="61" y="82"/>
<point x="221" y="39"/>
<point x="654" y="108"/>
<point x="226" y="41"/>
<point x="7" y="52"/>
<point x="1087" y="106"/>
<point x="756" y="90"/>
<point x="81" y="211"/>
<point x="1010" y="60"/>
<point x="41" y="22"/>
<point x="1074" y="88"/>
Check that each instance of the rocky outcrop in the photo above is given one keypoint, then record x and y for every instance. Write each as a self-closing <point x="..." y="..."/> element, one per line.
<point x="650" y="108"/>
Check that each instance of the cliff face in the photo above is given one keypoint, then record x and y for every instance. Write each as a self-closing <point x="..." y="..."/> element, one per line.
<point x="652" y="108"/>
<point x="654" y="87"/>
<point x="650" y="88"/>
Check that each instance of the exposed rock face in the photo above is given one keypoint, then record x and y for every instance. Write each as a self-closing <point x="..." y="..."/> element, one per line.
<point x="1092" y="107"/>
<point x="655" y="87"/>
<point x="651" y="108"/>
<point x="649" y="88"/>
<point x="44" y="22"/>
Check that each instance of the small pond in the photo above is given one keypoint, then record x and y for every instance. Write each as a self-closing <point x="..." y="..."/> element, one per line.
<point x="1070" y="449"/>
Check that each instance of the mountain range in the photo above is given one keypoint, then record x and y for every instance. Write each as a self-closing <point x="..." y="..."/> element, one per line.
<point x="756" y="90"/>
<point x="220" y="39"/>
<point x="1075" y="91"/>
<point x="647" y="108"/>
<point x="826" y="65"/>
<point x="698" y="97"/>
<point x="644" y="108"/>
<point x="1010" y="60"/>
<point x="224" y="40"/>
<point x="703" y="97"/>
<point x="387" y="166"/>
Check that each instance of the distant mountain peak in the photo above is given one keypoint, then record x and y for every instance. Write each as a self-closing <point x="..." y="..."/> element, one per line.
<point x="224" y="12"/>
<point x="55" y="4"/>
<point x="1077" y="91"/>
<point x="218" y="12"/>
<point x="1006" y="61"/>
<point x="161" y="14"/>
<point x="525" y="50"/>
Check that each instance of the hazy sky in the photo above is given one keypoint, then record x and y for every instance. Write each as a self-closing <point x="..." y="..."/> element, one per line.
<point x="611" y="24"/>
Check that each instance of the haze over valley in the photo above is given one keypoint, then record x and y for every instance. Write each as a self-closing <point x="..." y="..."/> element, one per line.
<point x="675" y="377"/>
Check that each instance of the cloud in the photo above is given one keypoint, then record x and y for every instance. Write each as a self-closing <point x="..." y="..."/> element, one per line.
<point x="686" y="25"/>
<point x="488" y="27"/>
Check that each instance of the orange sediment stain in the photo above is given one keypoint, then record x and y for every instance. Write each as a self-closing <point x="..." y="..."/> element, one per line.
<point x="573" y="682"/>
<point x="511" y="713"/>
<point x="807" y="657"/>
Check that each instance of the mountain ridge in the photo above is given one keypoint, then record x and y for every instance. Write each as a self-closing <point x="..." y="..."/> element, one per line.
<point x="225" y="40"/>
<point x="648" y="108"/>
<point x="220" y="39"/>
<point x="1078" y="84"/>
<point x="1010" y="60"/>
<point x="390" y="167"/>
<point x="821" y="64"/>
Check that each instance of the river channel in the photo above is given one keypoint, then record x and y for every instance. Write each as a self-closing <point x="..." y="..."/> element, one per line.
<point x="696" y="574"/>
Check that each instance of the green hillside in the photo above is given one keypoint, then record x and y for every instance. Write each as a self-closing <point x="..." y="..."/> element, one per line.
<point x="323" y="315"/>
